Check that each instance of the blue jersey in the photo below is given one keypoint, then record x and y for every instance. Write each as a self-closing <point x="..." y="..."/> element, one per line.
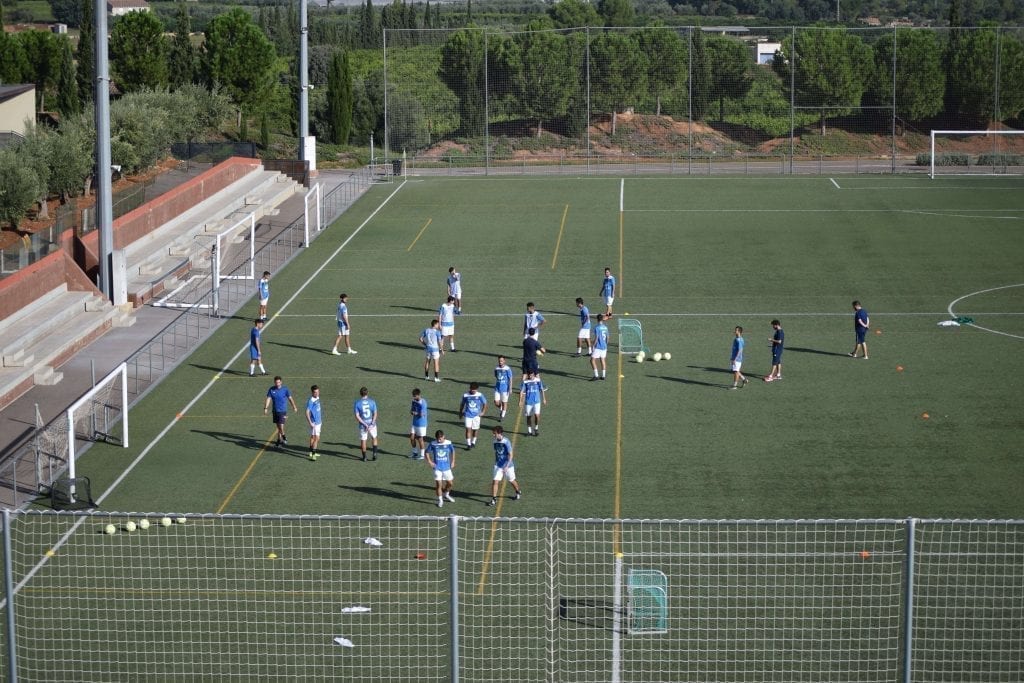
<point x="502" y="379"/>
<point x="502" y="452"/>
<point x="279" y="398"/>
<point x="532" y="320"/>
<point x="473" y="404"/>
<point x="601" y="336"/>
<point x="263" y="287"/>
<point x="737" y="350"/>
<point x="441" y="454"/>
<point x="608" y="286"/>
<point x="780" y="340"/>
<point x="342" y="314"/>
<point x="532" y="390"/>
<point x="431" y="339"/>
<point x="584" y="318"/>
<point x="860" y="319"/>
<point x="366" y="410"/>
<point x="419" y="412"/>
<point x="313" y="408"/>
<point x="254" y="342"/>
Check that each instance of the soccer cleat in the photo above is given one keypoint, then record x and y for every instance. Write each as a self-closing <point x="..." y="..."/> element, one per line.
<point x="594" y="378"/>
<point x="353" y="351"/>
<point x="518" y="495"/>
<point x="449" y="498"/>
<point x="278" y="442"/>
<point x="440" y="503"/>
<point x="263" y="373"/>
<point x="603" y="378"/>
<point x="852" y="355"/>
<point x="746" y="381"/>
<point x="335" y="352"/>
<point x="363" y="458"/>
<point x="284" y="439"/>
<point x="312" y="456"/>
<point x="437" y="379"/>
<point x="734" y="386"/>
<point x="494" y="501"/>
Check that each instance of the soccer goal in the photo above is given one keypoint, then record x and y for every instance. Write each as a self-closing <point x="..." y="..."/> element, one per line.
<point x="979" y="152"/>
<point x="95" y="417"/>
<point x="313" y="212"/>
<point x="631" y="337"/>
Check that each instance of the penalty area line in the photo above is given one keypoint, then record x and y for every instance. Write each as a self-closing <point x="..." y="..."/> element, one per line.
<point x="835" y="183"/>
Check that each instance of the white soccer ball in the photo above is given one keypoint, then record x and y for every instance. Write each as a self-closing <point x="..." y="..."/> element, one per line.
<point x="129" y="526"/>
<point x="656" y="357"/>
<point x="165" y="521"/>
<point x="110" y="529"/>
<point x="180" y="520"/>
<point x="641" y="357"/>
<point x="666" y="356"/>
<point x="143" y="523"/>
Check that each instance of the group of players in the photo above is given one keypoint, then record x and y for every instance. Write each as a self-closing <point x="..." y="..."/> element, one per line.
<point x="440" y="452"/>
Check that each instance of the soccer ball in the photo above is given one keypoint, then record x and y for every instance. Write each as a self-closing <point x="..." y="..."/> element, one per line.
<point x="657" y="356"/>
<point x="540" y="352"/>
<point x="129" y="526"/>
<point x="641" y="357"/>
<point x="666" y="356"/>
<point x="143" y="523"/>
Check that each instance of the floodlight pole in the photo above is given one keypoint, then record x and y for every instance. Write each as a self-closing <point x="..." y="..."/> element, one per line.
<point x="104" y="197"/>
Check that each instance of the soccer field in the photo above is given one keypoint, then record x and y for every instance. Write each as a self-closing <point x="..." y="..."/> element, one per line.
<point x="929" y="427"/>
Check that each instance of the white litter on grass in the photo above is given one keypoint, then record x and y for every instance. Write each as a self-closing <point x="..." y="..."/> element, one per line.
<point x="370" y="540"/>
<point x="355" y="609"/>
<point x="345" y="642"/>
<point x="948" y="323"/>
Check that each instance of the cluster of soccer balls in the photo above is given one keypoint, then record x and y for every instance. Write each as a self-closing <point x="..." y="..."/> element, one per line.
<point x="641" y="357"/>
<point x="131" y="526"/>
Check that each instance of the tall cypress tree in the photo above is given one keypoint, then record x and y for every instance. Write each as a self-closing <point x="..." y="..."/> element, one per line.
<point x="181" y="67"/>
<point x="67" y="83"/>
<point x="339" y="97"/>
<point x="86" y="57"/>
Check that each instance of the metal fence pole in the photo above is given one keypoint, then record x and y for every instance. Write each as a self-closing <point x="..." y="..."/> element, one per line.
<point x="908" y="607"/>
<point x="12" y="655"/>
<point x="453" y="597"/>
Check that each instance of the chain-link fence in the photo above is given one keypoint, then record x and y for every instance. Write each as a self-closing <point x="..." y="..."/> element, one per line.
<point x="700" y="100"/>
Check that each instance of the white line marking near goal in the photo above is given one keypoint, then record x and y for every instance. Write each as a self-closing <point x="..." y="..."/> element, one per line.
<point x="835" y="183"/>
<point x="953" y="303"/>
<point x="177" y="418"/>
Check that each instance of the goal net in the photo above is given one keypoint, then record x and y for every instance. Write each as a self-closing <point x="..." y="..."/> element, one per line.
<point x="101" y="414"/>
<point x="631" y="337"/>
<point x="975" y="152"/>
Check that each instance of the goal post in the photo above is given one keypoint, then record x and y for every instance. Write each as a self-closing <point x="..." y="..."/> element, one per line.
<point x="960" y="162"/>
<point x="94" y="415"/>
<point x="227" y="265"/>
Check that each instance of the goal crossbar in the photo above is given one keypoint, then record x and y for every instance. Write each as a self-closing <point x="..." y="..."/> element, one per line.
<point x="931" y="150"/>
<point x="104" y="385"/>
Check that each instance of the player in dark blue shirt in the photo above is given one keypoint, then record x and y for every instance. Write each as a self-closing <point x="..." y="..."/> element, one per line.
<point x="778" y="341"/>
<point x="861" y="325"/>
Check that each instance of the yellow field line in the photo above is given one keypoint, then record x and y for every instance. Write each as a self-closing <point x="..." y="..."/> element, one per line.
<point x="419" y="234"/>
<point x="245" y="475"/>
<point x="485" y="567"/>
<point x="558" y="242"/>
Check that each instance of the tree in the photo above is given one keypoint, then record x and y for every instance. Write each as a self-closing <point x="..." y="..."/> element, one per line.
<point x="14" y="67"/>
<point x="36" y="152"/>
<point x="67" y="85"/>
<point x="730" y="70"/>
<point x="547" y="79"/>
<point x="618" y="73"/>
<point x="574" y="14"/>
<point x="86" y="63"/>
<point x="666" y="61"/>
<point x="700" y="75"/>
<point x="369" y="26"/>
<point x="833" y="68"/>
<point x="70" y="12"/>
<point x="240" y="58"/>
<point x="462" y="70"/>
<point x="42" y="50"/>
<point x="617" y="13"/>
<point x="182" y="58"/>
<point x="367" y="108"/>
<point x="71" y="170"/>
<point x="138" y="52"/>
<point x="971" y="73"/>
<point x="19" y="187"/>
<point x="920" y="81"/>
<point x="339" y="98"/>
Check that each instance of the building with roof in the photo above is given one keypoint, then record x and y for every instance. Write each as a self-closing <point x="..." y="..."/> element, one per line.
<point x="119" y="8"/>
<point x="17" y="110"/>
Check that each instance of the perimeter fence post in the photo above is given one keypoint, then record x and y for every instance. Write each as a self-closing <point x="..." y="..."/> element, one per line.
<point x="908" y="607"/>
<point x="12" y="654"/>
<point x="453" y="597"/>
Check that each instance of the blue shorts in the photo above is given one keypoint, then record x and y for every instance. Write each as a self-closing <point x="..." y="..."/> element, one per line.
<point x="530" y="366"/>
<point x="862" y="332"/>
<point x="777" y="357"/>
<point x="253" y="353"/>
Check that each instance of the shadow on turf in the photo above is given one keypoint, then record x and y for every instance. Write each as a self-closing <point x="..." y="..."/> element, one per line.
<point x="388" y="493"/>
<point x="458" y="494"/>
<point x="683" y="380"/>
<point x="415" y="308"/>
<point x="242" y="440"/>
<point x="799" y="349"/>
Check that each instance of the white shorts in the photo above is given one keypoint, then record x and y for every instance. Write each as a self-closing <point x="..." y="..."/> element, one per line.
<point x="342" y="329"/>
<point x="736" y="365"/>
<point x="447" y="330"/>
<point x="532" y="409"/>
<point x="599" y="353"/>
<point x="584" y="333"/>
<point x="433" y="355"/>
<point x="418" y="431"/>
<point x="314" y="430"/>
<point x="365" y="431"/>
<point x="455" y="291"/>
<point x="609" y="300"/>
<point x="443" y="475"/>
<point x="263" y="302"/>
<point x="504" y="473"/>
<point x="501" y="397"/>
<point x="472" y="422"/>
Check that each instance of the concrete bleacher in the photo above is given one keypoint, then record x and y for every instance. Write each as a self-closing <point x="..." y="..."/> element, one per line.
<point x="40" y="337"/>
<point x="157" y="261"/>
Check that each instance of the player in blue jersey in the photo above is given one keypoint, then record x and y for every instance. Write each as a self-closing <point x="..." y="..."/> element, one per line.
<point x="455" y="288"/>
<point x="532" y="320"/>
<point x="600" y="352"/>
<point x="736" y="359"/>
<point x="472" y="408"/>
<point x="502" y="386"/>
<point x="607" y="292"/>
<point x="418" y="429"/>
<point x="861" y="325"/>
<point x="256" y="347"/>
<point x="531" y="396"/>
<point x="441" y="458"/>
<point x="778" y="341"/>
<point x="503" y="466"/>
<point x="365" y="410"/>
<point x="430" y="338"/>
<point x="314" y="416"/>
<point x="446" y="315"/>
<point x="263" y="293"/>
<point x="583" y="336"/>
<point x="344" y="328"/>
<point x="279" y="397"/>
